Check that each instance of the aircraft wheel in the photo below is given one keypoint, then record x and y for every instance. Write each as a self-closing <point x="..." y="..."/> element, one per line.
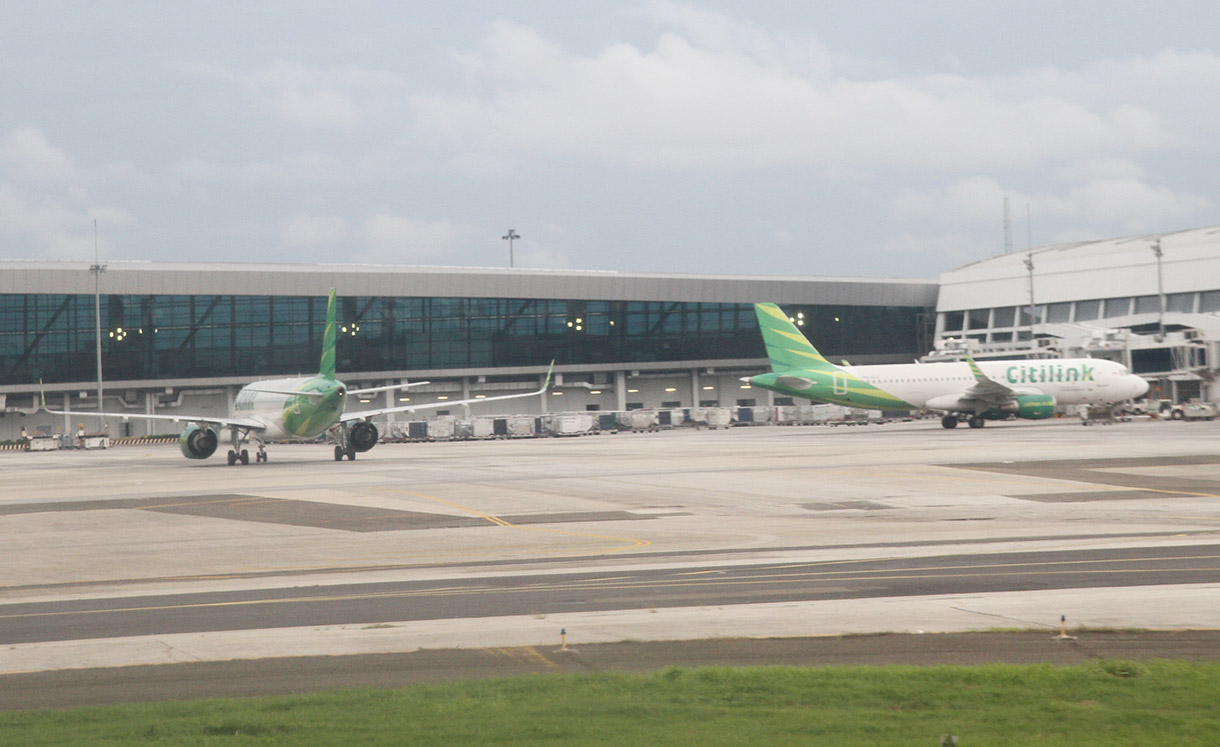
<point x="351" y="455"/>
<point x="338" y="453"/>
<point x="244" y="456"/>
<point x="232" y="457"/>
<point x="976" y="422"/>
<point x="949" y="421"/>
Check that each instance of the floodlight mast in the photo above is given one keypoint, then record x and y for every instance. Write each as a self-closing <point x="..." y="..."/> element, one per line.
<point x="1160" y="288"/>
<point x="511" y="236"/>
<point x="1029" y="265"/>
<point x="97" y="268"/>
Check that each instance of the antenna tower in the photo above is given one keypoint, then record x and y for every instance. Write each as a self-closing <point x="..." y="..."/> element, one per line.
<point x="1007" y="227"/>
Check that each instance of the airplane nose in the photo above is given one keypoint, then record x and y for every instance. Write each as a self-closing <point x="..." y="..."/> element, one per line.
<point x="1141" y="387"/>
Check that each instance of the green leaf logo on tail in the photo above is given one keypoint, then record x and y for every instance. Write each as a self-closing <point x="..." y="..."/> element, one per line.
<point x="787" y="348"/>
<point x="797" y="368"/>
<point x="327" y="369"/>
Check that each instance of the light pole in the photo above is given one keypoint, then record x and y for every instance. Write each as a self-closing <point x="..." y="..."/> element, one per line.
<point x="97" y="268"/>
<point x="511" y="236"/>
<point x="1029" y="265"/>
<point x="1160" y="288"/>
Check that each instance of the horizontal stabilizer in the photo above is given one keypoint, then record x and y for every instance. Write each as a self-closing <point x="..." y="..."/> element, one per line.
<point x="287" y="392"/>
<point x="794" y="382"/>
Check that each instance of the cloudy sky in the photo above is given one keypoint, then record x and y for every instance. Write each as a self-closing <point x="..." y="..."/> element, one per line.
<point x="866" y="138"/>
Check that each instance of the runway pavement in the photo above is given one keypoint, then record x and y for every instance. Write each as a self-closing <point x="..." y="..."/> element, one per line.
<point x="137" y="556"/>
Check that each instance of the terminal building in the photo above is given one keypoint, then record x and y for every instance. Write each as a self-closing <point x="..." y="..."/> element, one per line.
<point x="184" y="337"/>
<point x="1150" y="302"/>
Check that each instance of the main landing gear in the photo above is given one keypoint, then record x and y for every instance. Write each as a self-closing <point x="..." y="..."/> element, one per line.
<point x="951" y="421"/>
<point x="239" y="455"/>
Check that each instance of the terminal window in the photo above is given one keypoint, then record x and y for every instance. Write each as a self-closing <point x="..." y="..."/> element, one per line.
<point x="1182" y="303"/>
<point x="1059" y="312"/>
<point x="1087" y="310"/>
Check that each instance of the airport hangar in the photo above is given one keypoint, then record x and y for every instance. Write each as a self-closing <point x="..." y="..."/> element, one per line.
<point x="184" y="337"/>
<point x="1150" y="302"/>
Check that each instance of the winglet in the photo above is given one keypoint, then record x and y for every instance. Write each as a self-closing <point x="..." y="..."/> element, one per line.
<point x="42" y="395"/>
<point x="974" y="369"/>
<point x="549" y="370"/>
<point x="327" y="368"/>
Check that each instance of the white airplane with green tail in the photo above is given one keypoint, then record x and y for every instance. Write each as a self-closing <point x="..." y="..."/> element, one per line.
<point x="964" y="391"/>
<point x="295" y="409"/>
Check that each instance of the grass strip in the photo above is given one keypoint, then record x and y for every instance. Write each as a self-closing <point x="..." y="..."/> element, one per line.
<point x="1098" y="703"/>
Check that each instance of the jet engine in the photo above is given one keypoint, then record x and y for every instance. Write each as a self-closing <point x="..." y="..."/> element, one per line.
<point x="362" y="436"/>
<point x="1035" y="406"/>
<point x="1026" y="407"/>
<point x="198" y="443"/>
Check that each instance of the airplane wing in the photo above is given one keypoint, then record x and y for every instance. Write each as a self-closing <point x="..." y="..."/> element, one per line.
<point x="253" y="425"/>
<point x="360" y="392"/>
<point x="369" y="414"/>
<point x="987" y="389"/>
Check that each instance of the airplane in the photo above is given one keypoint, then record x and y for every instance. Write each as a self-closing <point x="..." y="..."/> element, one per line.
<point x="964" y="391"/>
<point x="294" y="409"/>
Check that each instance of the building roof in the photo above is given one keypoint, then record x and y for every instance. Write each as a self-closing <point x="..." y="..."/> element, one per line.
<point x="189" y="278"/>
<point x="1072" y="271"/>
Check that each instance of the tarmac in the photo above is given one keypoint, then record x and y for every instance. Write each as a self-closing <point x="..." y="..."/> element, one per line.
<point x="141" y="521"/>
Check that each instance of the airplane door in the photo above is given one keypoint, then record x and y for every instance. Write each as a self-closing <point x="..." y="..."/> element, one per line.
<point x="839" y="383"/>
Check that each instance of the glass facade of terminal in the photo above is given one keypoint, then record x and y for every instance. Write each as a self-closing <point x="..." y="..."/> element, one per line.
<point x="1008" y="323"/>
<point x="51" y="337"/>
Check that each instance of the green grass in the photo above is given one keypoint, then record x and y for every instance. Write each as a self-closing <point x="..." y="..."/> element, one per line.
<point x="1100" y="703"/>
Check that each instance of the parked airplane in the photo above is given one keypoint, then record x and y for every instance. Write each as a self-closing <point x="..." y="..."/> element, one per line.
<point x="293" y="410"/>
<point x="965" y="391"/>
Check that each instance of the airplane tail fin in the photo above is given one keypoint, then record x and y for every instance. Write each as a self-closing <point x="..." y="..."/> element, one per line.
<point x="787" y="347"/>
<point x="327" y="369"/>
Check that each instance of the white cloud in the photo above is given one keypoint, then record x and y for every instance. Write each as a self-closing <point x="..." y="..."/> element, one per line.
<point x="644" y="128"/>
<point x="315" y="230"/>
<point x="45" y="226"/>
<point x="340" y="97"/>
<point x="964" y="199"/>
<point x="1129" y="204"/>
<point x="28" y="155"/>
<point x="541" y="257"/>
<point x="45" y="203"/>
<point x="1116" y="200"/>
<point x="713" y="93"/>
<point x="304" y="169"/>
<point x="392" y="238"/>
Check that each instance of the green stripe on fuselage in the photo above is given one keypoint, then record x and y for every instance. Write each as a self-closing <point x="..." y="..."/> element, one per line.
<point x="825" y="386"/>
<point x="306" y="417"/>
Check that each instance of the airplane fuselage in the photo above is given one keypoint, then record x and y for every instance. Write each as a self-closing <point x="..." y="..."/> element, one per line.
<point x="291" y="416"/>
<point x="936" y="386"/>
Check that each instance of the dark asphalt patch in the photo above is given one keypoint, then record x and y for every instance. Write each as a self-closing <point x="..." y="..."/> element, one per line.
<point x="337" y="516"/>
<point x="1097" y="472"/>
